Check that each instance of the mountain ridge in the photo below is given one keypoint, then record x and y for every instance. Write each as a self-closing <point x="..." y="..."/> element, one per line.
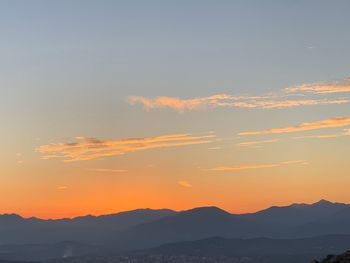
<point x="147" y="228"/>
<point x="321" y="201"/>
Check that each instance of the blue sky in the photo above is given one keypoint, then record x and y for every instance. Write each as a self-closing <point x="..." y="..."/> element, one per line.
<point x="68" y="67"/>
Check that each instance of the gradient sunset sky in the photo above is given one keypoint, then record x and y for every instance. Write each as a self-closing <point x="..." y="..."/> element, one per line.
<point x="108" y="106"/>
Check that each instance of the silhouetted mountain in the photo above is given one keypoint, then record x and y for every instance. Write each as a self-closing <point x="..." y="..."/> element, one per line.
<point x="297" y="220"/>
<point x="296" y="214"/>
<point x="145" y="228"/>
<point x="192" y="224"/>
<point x="337" y="223"/>
<point x="17" y="230"/>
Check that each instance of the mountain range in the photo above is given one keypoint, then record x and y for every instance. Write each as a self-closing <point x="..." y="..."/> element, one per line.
<point x="146" y="228"/>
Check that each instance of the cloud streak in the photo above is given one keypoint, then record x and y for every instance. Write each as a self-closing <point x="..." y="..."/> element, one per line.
<point x="306" y="126"/>
<point x="91" y="148"/>
<point x="62" y="187"/>
<point x="184" y="184"/>
<point x="279" y="104"/>
<point x="182" y="105"/>
<point x="322" y="88"/>
<point x="321" y="136"/>
<point x="225" y="100"/>
<point x="254" y="143"/>
<point x="256" y="166"/>
<point x="325" y="136"/>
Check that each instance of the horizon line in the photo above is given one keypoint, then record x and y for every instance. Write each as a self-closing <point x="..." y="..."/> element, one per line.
<point x="159" y="209"/>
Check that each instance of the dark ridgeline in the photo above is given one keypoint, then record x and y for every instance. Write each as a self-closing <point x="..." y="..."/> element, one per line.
<point x="342" y="258"/>
<point x="140" y="230"/>
<point x="92" y="229"/>
<point x="294" y="221"/>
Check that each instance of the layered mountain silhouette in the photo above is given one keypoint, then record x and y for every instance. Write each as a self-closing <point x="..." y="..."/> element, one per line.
<point x="294" y="221"/>
<point x="217" y="246"/>
<point x="17" y="230"/>
<point x="147" y="228"/>
<point x="299" y="213"/>
<point x="193" y="224"/>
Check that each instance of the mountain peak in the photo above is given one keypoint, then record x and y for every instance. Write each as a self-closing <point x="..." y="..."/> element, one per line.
<point x="10" y="216"/>
<point x="207" y="210"/>
<point x="323" y="202"/>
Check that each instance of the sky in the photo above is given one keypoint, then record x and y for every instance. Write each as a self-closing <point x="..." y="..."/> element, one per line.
<point x="109" y="106"/>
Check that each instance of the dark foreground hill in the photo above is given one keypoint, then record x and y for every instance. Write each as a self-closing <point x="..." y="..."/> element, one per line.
<point x="342" y="258"/>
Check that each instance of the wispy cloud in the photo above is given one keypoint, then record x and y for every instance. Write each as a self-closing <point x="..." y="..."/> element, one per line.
<point x="242" y="167"/>
<point x="295" y="162"/>
<point x="322" y="88"/>
<point x="306" y="126"/>
<point x="91" y="148"/>
<point x="62" y="187"/>
<point x="346" y="132"/>
<point x="272" y="104"/>
<point x="224" y="100"/>
<point x="184" y="184"/>
<point x="186" y="104"/>
<point x="320" y="136"/>
<point x="254" y="143"/>
<point x="256" y="166"/>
